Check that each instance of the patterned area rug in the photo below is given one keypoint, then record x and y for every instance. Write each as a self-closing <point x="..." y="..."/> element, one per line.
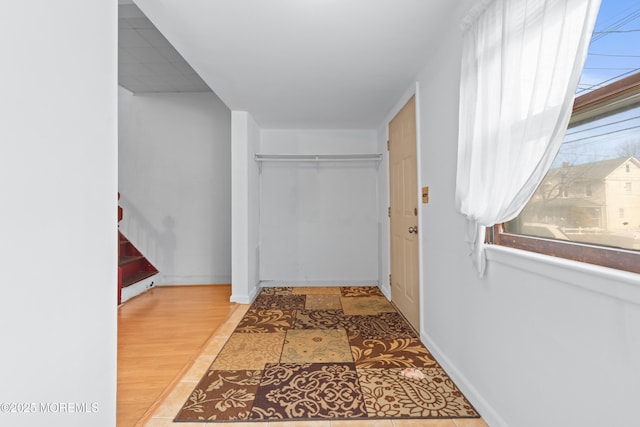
<point x="323" y="353"/>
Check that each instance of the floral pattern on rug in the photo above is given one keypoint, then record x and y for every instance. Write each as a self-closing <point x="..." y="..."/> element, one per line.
<point x="360" y="291"/>
<point x="316" y="290"/>
<point x="389" y="393"/>
<point x="389" y="353"/>
<point x="249" y="352"/>
<point x="323" y="302"/>
<point x="278" y="302"/>
<point x="284" y="361"/>
<point x="309" y="390"/>
<point x="227" y="395"/>
<point x="382" y="326"/>
<point x="277" y="290"/>
<point x="364" y="306"/>
<point x="265" y="321"/>
<point x="321" y="319"/>
<point x="316" y="346"/>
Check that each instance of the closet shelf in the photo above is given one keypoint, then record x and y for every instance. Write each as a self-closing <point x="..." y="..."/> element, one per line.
<point x="317" y="157"/>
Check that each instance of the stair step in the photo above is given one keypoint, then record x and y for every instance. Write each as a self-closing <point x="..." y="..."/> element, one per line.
<point x="134" y="278"/>
<point x="133" y="266"/>
<point x="128" y="251"/>
<point x="128" y="259"/>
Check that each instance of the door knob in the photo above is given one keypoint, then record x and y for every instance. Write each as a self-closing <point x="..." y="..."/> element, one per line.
<point x="413" y="229"/>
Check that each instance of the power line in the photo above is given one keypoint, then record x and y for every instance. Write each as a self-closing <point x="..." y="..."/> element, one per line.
<point x="601" y="126"/>
<point x="617" y="31"/>
<point x="602" y="134"/>
<point x="608" y="80"/>
<point x="607" y="68"/>
<point x="608" y="29"/>
<point x="632" y="16"/>
<point x="615" y="55"/>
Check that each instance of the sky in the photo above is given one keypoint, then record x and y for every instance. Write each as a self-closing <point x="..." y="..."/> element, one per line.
<point x="614" y="53"/>
<point x="615" y="46"/>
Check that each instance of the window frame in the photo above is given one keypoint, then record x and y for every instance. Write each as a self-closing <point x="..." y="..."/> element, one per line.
<point x="615" y="96"/>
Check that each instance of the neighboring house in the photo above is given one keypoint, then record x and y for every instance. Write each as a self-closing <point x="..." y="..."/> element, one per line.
<point x="597" y="199"/>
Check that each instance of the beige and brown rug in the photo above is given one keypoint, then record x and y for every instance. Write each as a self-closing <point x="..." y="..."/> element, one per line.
<point x="323" y="353"/>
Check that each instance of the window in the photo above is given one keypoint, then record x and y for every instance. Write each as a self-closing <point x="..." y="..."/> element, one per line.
<point x="585" y="208"/>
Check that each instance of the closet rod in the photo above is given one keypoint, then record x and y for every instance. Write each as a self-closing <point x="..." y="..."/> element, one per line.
<point x="316" y="157"/>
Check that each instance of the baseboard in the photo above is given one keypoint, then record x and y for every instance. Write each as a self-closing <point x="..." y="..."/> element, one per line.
<point x="245" y="299"/>
<point x="488" y="413"/>
<point x="138" y="288"/>
<point x="312" y="283"/>
<point x="386" y="290"/>
<point x="165" y="280"/>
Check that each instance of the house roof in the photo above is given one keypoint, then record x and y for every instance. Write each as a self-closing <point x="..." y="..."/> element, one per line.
<point x="593" y="171"/>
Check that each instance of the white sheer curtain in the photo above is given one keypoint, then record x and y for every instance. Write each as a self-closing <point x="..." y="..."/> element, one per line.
<point x="521" y="63"/>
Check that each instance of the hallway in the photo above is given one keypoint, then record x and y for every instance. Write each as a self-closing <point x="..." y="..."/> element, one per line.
<point x="153" y="387"/>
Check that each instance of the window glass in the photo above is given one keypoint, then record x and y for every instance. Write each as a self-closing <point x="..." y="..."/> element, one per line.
<point x="600" y="156"/>
<point x="591" y="194"/>
<point x="614" y="50"/>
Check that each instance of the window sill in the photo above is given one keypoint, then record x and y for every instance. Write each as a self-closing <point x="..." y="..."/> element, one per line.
<point x="614" y="283"/>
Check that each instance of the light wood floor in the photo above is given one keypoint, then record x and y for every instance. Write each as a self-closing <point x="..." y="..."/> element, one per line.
<point x="159" y="333"/>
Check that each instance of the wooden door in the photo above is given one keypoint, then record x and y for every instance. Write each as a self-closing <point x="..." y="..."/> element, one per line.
<point x="403" y="189"/>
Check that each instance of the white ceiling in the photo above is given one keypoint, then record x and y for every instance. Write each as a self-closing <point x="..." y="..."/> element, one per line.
<point x="303" y="63"/>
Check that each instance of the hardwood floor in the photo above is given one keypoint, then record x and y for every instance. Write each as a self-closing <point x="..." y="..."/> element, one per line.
<point x="159" y="333"/>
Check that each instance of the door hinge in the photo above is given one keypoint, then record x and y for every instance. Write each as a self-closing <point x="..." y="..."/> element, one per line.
<point x="390" y="282"/>
<point x="389" y="211"/>
<point x="387" y="145"/>
<point x="415" y="211"/>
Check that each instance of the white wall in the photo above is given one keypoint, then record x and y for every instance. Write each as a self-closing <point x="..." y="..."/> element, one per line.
<point x="253" y="141"/>
<point x="245" y="140"/>
<point x="319" y="221"/>
<point x="175" y="184"/>
<point x="384" y="230"/>
<point x="538" y="341"/>
<point x="58" y="172"/>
